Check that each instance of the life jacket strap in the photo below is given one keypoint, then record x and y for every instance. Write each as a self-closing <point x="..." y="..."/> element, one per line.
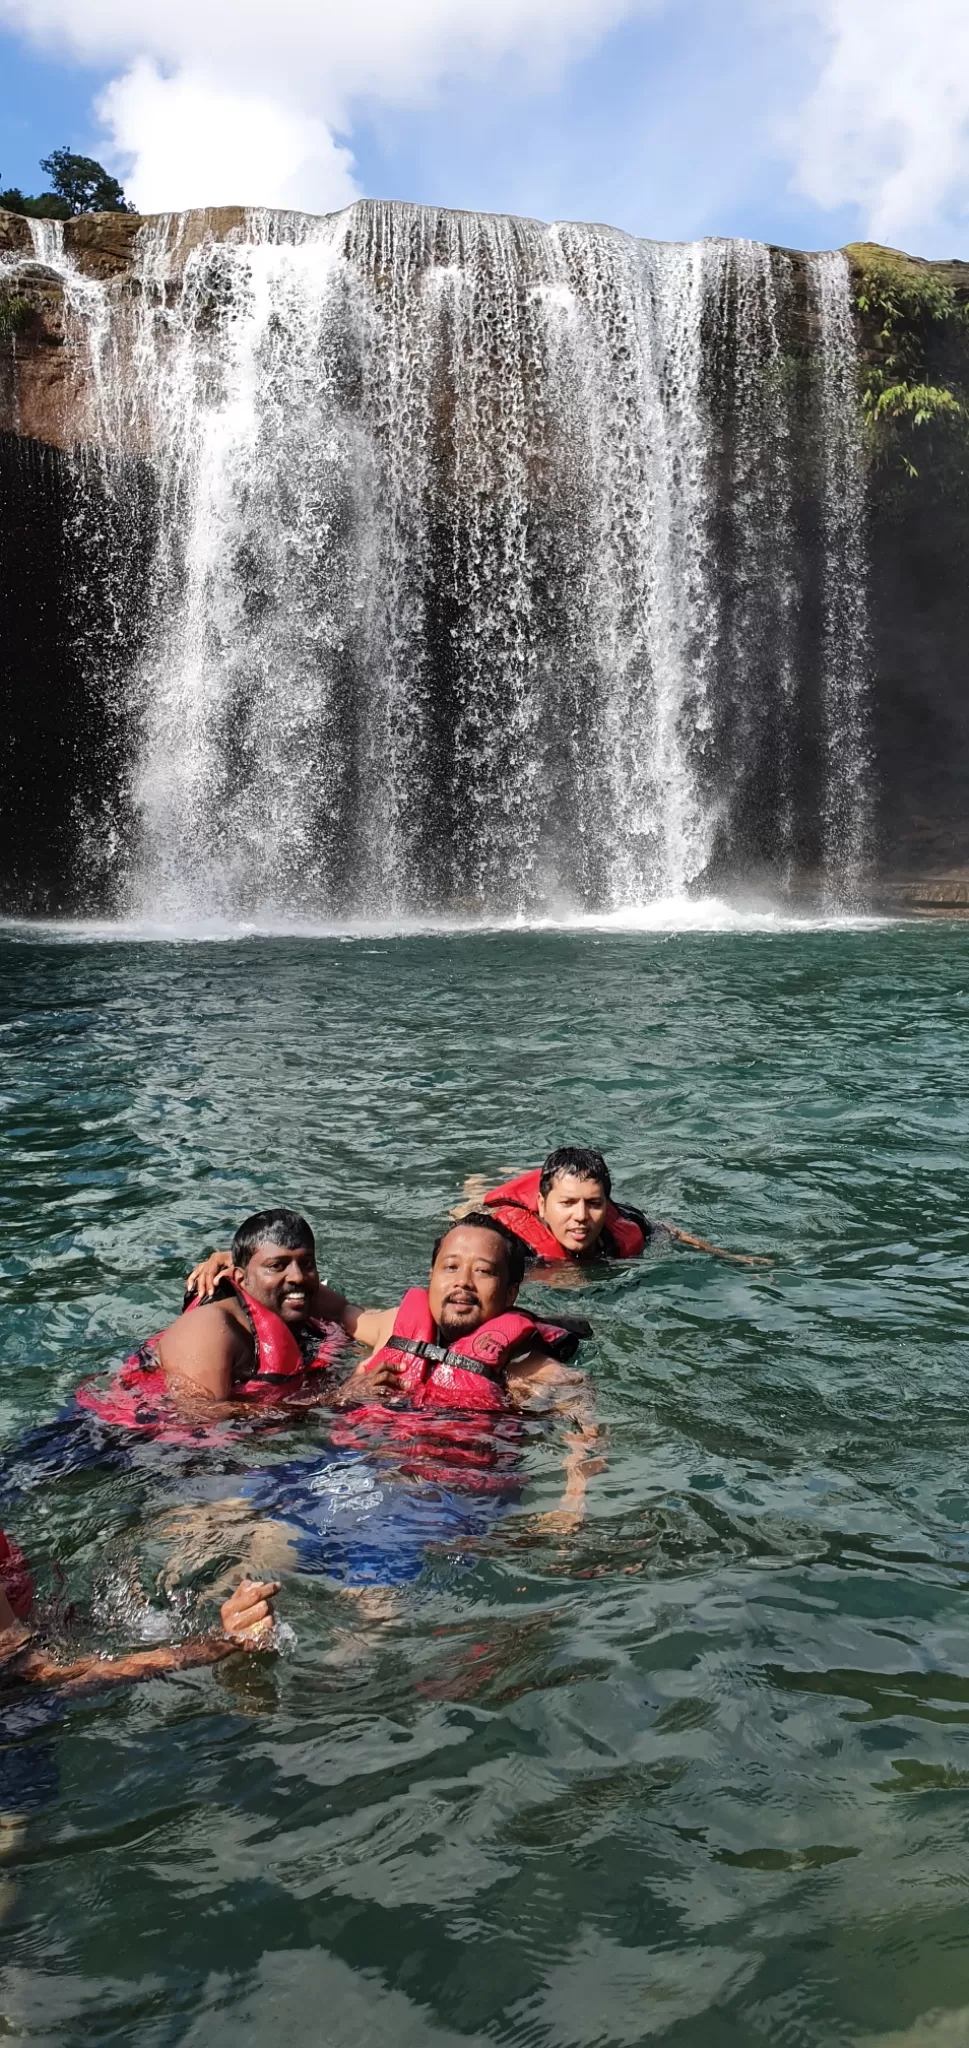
<point x="437" y="1355"/>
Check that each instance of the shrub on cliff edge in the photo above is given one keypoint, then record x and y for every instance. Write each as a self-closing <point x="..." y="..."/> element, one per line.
<point x="915" y="379"/>
<point x="79" y="184"/>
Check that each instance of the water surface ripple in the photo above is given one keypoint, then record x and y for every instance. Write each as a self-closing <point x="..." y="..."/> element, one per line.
<point x="697" y="1774"/>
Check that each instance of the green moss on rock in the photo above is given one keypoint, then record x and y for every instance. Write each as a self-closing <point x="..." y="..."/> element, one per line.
<point x="915" y="363"/>
<point x="17" y="314"/>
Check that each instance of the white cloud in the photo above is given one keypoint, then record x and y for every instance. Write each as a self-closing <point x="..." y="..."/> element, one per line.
<point x="192" y="142"/>
<point x="241" y="100"/>
<point x="886" y="124"/>
<point x="214" y="92"/>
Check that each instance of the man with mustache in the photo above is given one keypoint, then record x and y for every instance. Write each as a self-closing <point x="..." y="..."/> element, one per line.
<point x="477" y="1268"/>
<point x="427" y="1452"/>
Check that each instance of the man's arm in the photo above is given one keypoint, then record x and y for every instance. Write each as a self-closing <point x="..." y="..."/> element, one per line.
<point x="246" y="1619"/>
<point x="539" y="1382"/>
<point x="384" y="1382"/>
<point x="535" y="1379"/>
<point x="716" y="1251"/>
<point x="372" y="1326"/>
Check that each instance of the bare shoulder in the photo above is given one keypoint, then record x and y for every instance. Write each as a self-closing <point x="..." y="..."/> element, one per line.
<point x="214" y="1319"/>
<point x="541" y="1368"/>
<point x="204" y="1344"/>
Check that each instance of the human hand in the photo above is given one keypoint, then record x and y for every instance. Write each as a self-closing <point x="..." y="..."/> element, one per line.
<point x="204" y="1278"/>
<point x="247" y="1616"/>
<point x="382" y="1384"/>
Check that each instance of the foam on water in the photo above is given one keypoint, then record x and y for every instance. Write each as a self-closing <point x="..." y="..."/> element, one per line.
<point x="666" y="917"/>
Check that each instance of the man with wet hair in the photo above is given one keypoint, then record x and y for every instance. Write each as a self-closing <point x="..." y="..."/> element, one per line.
<point x="461" y="1355"/>
<point x="477" y="1267"/>
<point x="269" y="1318"/>
<point x="564" y="1212"/>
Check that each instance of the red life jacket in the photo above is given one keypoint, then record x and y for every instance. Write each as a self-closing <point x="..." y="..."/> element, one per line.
<point x="515" y="1204"/>
<point x="15" y="1577"/>
<point x="139" y="1396"/>
<point x="467" y="1375"/>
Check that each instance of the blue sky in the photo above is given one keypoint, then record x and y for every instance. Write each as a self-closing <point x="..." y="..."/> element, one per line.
<point x="787" y="120"/>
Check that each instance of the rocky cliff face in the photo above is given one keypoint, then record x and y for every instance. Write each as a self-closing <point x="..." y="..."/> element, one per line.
<point x="914" y="369"/>
<point x="45" y="367"/>
<point x="66" y="745"/>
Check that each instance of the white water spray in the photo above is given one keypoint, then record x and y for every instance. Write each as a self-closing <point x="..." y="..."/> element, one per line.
<point x="475" y="582"/>
<point x="847" y="806"/>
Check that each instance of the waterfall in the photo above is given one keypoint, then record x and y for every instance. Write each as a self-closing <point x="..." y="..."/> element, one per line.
<point x="47" y="241"/>
<point x="478" y="576"/>
<point x="847" y="807"/>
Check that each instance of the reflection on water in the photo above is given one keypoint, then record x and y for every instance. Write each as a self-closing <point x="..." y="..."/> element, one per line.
<point x="696" y="1773"/>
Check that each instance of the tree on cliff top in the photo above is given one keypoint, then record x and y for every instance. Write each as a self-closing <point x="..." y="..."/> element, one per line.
<point x="79" y="184"/>
<point x="84" y="184"/>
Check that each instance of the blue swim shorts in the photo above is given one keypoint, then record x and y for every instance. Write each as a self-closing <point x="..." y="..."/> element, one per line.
<point x="357" y="1525"/>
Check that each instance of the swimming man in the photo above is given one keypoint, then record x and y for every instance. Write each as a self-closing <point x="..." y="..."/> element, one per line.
<point x="270" y="1335"/>
<point x="450" y="1365"/>
<point x="564" y="1212"/>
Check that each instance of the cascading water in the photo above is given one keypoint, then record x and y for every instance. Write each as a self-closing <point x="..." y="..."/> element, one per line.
<point x="478" y="576"/>
<point x="847" y="806"/>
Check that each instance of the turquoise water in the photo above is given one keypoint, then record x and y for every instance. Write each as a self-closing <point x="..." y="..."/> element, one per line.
<point x="695" y="1774"/>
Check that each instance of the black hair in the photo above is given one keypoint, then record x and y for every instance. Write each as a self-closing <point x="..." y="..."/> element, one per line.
<point x="479" y="1219"/>
<point x="580" y="1160"/>
<point x="271" y="1226"/>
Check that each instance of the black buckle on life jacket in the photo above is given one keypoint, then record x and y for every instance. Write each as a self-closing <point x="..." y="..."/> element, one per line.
<point x="439" y="1356"/>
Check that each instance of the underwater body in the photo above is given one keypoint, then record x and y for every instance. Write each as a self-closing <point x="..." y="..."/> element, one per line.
<point x="692" y="1772"/>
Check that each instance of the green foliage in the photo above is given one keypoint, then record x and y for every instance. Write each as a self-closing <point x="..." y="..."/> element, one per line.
<point x="79" y="185"/>
<point x="915" y="386"/>
<point x="46" y="206"/>
<point x="84" y="184"/>
<point x="901" y="294"/>
<point x="16" y="314"/>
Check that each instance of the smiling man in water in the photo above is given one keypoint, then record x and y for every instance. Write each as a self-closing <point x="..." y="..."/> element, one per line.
<point x="270" y="1335"/>
<point x="427" y="1452"/>
<point x="269" y="1320"/>
<point x="476" y="1270"/>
